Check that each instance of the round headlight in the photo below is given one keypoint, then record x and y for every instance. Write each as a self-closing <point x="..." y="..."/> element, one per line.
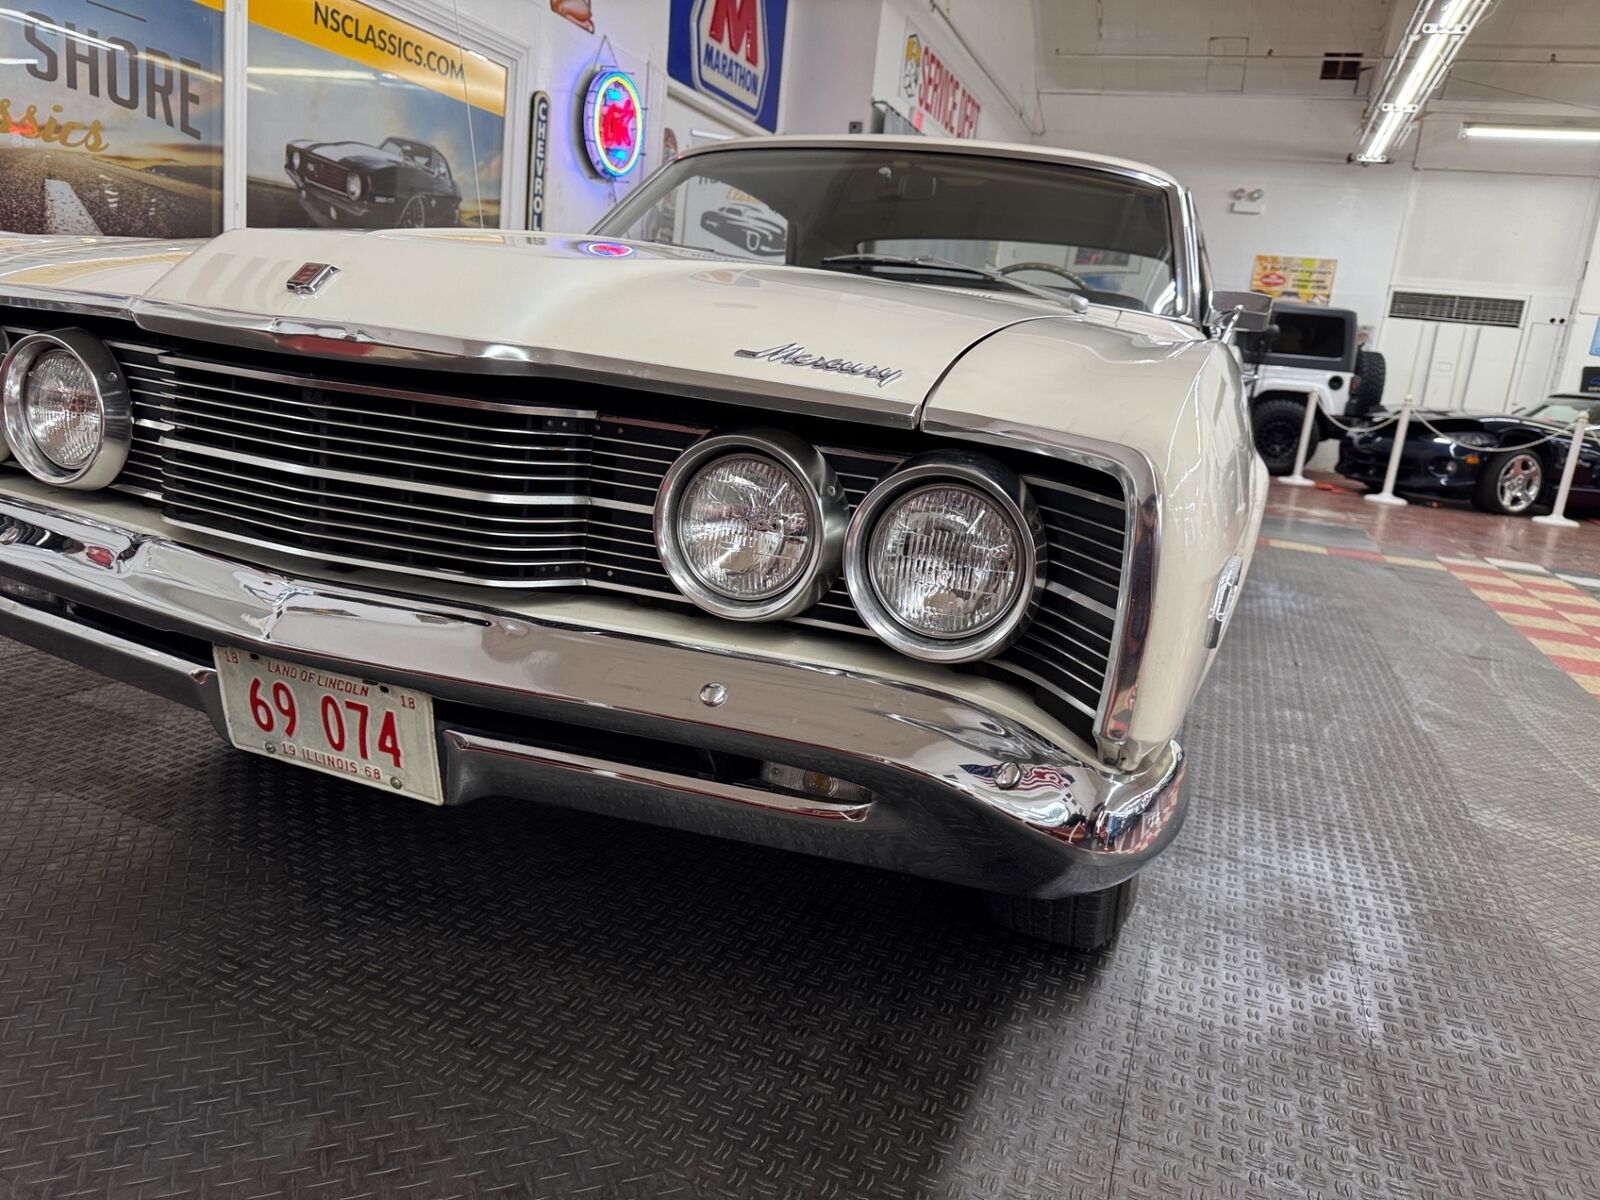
<point x="62" y="409"/>
<point x="294" y="159"/>
<point x="352" y="186"/>
<point x="946" y="561"/>
<point x="945" y="558"/>
<point x="749" y="525"/>
<point x="67" y="413"/>
<point x="744" y="527"/>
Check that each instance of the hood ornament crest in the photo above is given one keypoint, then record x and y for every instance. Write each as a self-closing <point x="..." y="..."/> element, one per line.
<point x="309" y="278"/>
<point x="793" y="354"/>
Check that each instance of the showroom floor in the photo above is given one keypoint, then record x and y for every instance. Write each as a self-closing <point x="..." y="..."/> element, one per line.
<point x="1368" y="968"/>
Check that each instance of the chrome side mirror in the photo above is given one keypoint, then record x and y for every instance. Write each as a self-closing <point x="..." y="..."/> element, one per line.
<point x="1238" y="312"/>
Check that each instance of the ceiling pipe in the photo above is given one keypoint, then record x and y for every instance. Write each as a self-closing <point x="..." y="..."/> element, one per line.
<point x="1433" y="38"/>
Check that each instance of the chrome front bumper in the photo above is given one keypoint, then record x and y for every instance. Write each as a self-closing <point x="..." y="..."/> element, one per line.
<point x="959" y="792"/>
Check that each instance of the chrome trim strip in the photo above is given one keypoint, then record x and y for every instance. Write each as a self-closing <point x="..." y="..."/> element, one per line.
<point x="1142" y="540"/>
<point x="98" y="304"/>
<point x="560" y="763"/>
<point x="443" y="353"/>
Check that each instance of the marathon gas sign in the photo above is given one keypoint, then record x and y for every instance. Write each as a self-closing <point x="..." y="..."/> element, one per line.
<point x="732" y="51"/>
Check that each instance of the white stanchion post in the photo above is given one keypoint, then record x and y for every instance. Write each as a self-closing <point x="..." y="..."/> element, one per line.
<point x="1558" y="515"/>
<point x="1298" y="477"/>
<point x="1401" y="427"/>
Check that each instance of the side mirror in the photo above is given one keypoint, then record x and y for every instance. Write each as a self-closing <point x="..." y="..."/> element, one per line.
<point x="1243" y="312"/>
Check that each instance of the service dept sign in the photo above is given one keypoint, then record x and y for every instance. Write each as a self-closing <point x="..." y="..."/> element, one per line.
<point x="731" y="50"/>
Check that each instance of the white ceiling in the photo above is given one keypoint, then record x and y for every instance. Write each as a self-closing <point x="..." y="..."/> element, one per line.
<point x="1547" y="50"/>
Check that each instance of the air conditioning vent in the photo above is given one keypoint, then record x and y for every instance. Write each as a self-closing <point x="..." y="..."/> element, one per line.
<point x="1342" y="64"/>
<point x="1457" y="310"/>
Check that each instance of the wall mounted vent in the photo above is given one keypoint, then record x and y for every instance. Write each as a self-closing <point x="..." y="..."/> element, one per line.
<point x="1342" y="64"/>
<point x="1457" y="310"/>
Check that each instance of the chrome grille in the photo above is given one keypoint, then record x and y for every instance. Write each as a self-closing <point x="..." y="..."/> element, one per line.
<point x="510" y="493"/>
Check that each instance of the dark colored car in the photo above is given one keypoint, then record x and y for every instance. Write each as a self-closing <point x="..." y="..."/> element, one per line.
<point x="746" y="225"/>
<point x="400" y="184"/>
<point x="1490" y="459"/>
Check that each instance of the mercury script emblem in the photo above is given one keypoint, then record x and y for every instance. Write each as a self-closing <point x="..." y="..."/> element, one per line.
<point x="793" y="354"/>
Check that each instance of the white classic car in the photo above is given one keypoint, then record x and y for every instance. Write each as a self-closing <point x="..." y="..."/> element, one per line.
<point x="910" y="549"/>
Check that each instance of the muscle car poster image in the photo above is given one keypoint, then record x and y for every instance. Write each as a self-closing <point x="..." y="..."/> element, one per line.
<point x="111" y="118"/>
<point x="357" y="119"/>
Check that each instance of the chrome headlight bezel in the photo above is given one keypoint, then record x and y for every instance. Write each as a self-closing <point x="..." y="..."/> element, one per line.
<point x="825" y="511"/>
<point x="110" y="391"/>
<point x="999" y="484"/>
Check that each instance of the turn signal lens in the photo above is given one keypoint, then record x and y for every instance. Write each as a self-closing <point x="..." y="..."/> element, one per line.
<point x="946" y="561"/>
<point x="63" y="410"/>
<point x="744" y="527"/>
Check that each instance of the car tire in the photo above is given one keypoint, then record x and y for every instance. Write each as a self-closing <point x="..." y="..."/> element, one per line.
<point x="1510" y="483"/>
<point x="413" y="216"/>
<point x="1084" y="922"/>
<point x="1366" y="390"/>
<point x="1277" y="421"/>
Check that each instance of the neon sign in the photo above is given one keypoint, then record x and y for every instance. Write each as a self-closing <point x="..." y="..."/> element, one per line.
<point x="613" y="124"/>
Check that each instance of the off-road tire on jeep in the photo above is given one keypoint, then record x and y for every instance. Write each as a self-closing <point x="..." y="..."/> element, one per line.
<point x="1277" y="421"/>
<point x="1366" y="390"/>
<point x="1083" y="923"/>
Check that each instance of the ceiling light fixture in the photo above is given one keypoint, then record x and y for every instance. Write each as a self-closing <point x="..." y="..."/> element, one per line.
<point x="1531" y="133"/>
<point x="1432" y="40"/>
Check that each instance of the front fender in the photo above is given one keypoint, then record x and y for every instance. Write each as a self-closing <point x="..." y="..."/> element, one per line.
<point x="1164" y="410"/>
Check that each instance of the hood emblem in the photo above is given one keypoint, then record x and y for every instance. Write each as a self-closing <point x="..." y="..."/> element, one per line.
<point x="793" y="354"/>
<point x="309" y="278"/>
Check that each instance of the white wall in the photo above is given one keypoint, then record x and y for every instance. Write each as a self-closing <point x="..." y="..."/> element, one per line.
<point x="827" y="75"/>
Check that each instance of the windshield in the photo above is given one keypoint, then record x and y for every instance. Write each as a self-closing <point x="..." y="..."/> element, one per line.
<point x="1072" y="230"/>
<point x="1564" y="410"/>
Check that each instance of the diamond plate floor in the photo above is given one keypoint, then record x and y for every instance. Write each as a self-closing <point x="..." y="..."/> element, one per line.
<point x="1368" y="968"/>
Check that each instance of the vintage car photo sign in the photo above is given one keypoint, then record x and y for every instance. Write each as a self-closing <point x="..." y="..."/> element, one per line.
<point x="111" y="121"/>
<point x="358" y="119"/>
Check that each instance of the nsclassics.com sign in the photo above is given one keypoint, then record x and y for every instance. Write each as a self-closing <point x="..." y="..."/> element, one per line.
<point x="731" y="50"/>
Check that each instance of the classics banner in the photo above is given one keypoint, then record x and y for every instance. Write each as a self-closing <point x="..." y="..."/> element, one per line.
<point x="111" y="118"/>
<point x="359" y="119"/>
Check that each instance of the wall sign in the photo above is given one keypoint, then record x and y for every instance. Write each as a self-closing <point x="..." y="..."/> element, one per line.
<point x="111" y="121"/>
<point x="1308" y="280"/>
<point x="731" y="50"/>
<point x="538" y="156"/>
<point x="358" y="118"/>
<point x="941" y="104"/>
<point x="613" y="124"/>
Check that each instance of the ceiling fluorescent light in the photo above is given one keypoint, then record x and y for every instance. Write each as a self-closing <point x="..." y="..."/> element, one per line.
<point x="1431" y="42"/>
<point x="1532" y="133"/>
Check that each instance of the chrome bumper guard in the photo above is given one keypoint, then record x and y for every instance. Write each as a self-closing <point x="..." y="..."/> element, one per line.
<point x="957" y="792"/>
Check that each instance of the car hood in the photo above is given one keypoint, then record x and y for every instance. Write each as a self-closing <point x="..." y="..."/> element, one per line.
<point x="524" y="303"/>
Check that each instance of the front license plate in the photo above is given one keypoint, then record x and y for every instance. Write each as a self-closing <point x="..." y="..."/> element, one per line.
<point x="376" y="734"/>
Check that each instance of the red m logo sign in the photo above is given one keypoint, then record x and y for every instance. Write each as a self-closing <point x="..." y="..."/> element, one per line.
<point x="733" y="23"/>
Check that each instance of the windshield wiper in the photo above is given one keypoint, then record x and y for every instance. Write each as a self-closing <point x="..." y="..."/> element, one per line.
<point x="1072" y="300"/>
